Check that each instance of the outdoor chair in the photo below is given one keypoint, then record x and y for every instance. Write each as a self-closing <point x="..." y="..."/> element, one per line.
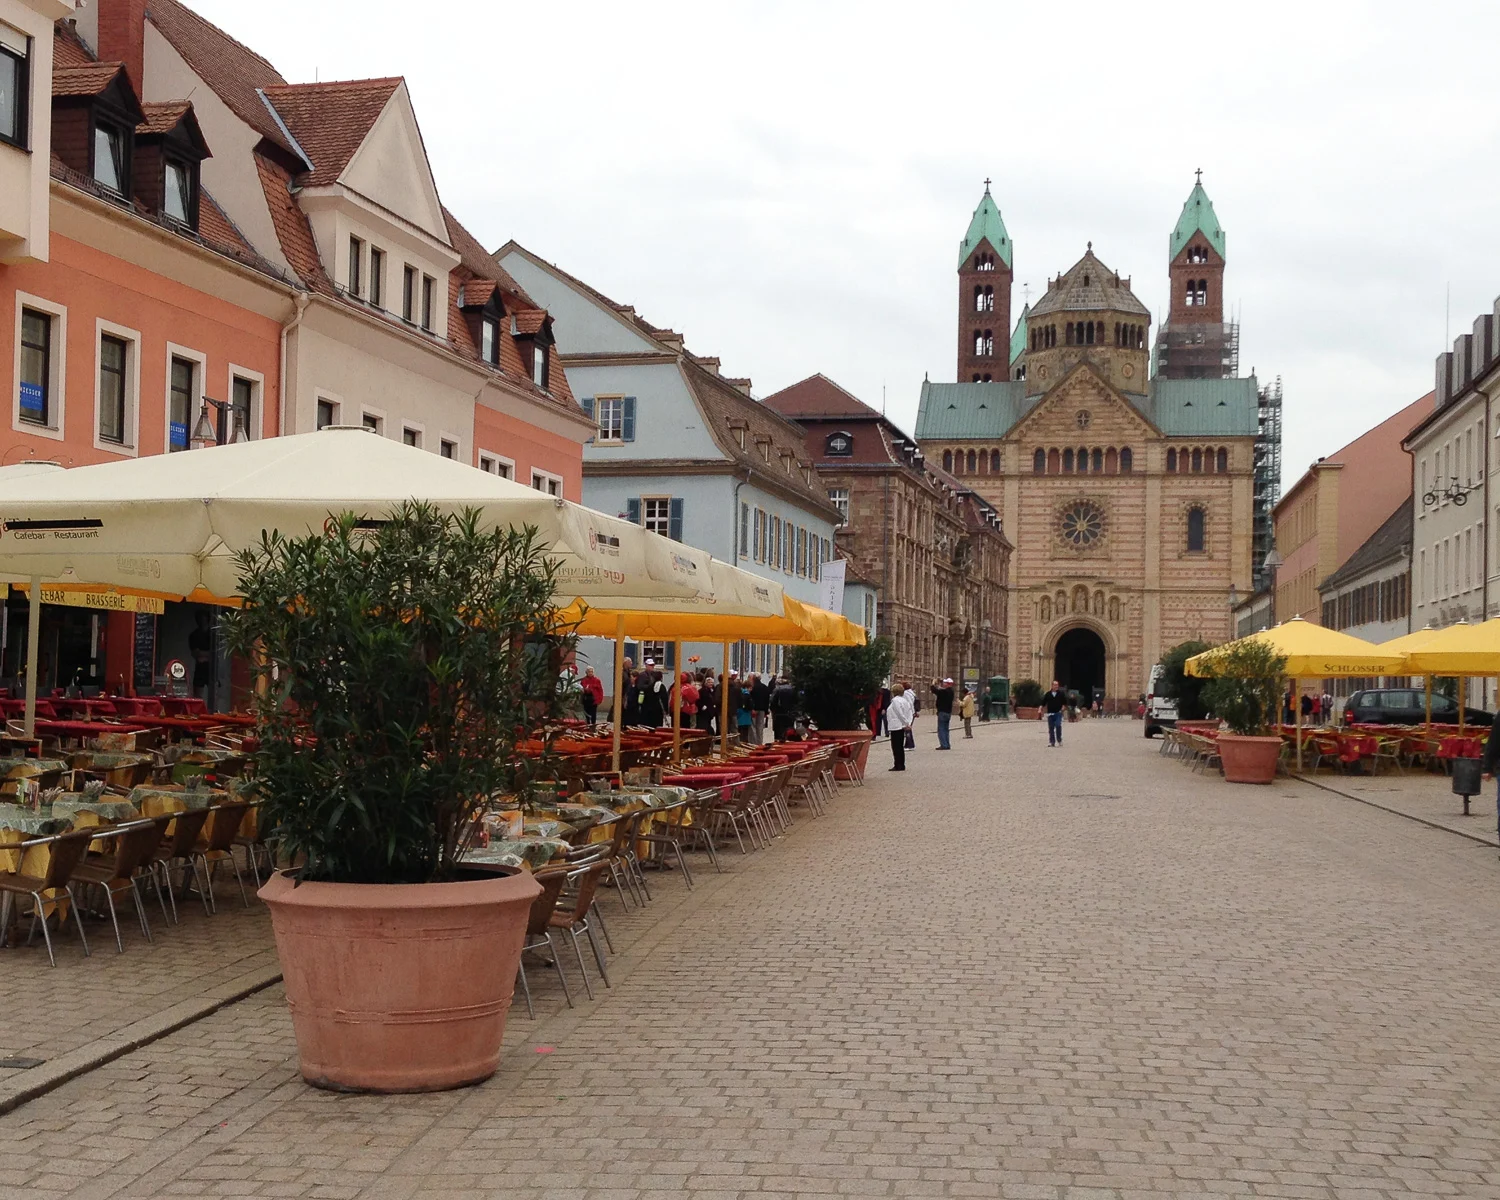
<point x="223" y="827"/>
<point x="254" y="846"/>
<point x="619" y="866"/>
<point x="538" y="931"/>
<point x="65" y="852"/>
<point x="807" y="781"/>
<point x="848" y="754"/>
<point x="177" y="849"/>
<point x="668" y="836"/>
<point x="573" y="920"/>
<point x="134" y="847"/>
<point x="1388" y="750"/>
<point x="737" y="809"/>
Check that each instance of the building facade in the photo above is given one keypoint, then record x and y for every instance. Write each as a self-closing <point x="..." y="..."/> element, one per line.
<point x="932" y="545"/>
<point x="683" y="449"/>
<point x="1369" y="596"/>
<point x="1128" y="496"/>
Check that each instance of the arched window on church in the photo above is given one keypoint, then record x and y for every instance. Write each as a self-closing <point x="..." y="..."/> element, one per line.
<point x="973" y="467"/>
<point x="1191" y="296"/>
<point x="1039" y="463"/>
<point x="984" y="462"/>
<point x="1125" y="461"/>
<point x="989" y="343"/>
<point x="1083" y="461"/>
<point x="976" y="376"/>
<point x="1223" y="458"/>
<point x="1069" y="332"/>
<point x="1195" y="536"/>
<point x="994" y="462"/>
<point x="1054" y="462"/>
<point x="987" y="379"/>
<point x="1171" y="460"/>
<point x="978" y="298"/>
<point x="1088" y="332"/>
<point x="1111" y="461"/>
<point x="1208" y="460"/>
<point x="1202" y="292"/>
<point x="989" y="298"/>
<point x="1098" y="460"/>
<point x="978" y="344"/>
<point x="1099" y="332"/>
<point x="1067" y="462"/>
<point x="948" y="460"/>
<point x="1197" y="462"/>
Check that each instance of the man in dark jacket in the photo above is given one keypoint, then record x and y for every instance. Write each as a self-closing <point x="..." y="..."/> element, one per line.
<point x="760" y="705"/>
<point x="1054" y="701"/>
<point x="942" y="691"/>
<point x="651" y="695"/>
<point x="783" y="710"/>
<point x="708" y="703"/>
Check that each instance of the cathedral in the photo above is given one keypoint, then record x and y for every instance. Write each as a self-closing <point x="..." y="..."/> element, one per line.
<point x="1123" y="462"/>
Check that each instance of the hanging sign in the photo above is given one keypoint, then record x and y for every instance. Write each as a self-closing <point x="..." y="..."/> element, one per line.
<point x="102" y="598"/>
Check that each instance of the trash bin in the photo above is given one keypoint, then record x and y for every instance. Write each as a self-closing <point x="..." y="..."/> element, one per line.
<point x="1467" y="779"/>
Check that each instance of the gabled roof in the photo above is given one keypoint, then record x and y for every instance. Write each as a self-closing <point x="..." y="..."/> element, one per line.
<point x="481" y="262"/>
<point x="818" y="396"/>
<point x="68" y="49"/>
<point x="234" y="71"/>
<point x="331" y="120"/>
<point x="292" y="230"/>
<point x="1197" y="214"/>
<point x="971" y="410"/>
<point x="85" y="79"/>
<point x="1088" y="286"/>
<point x="160" y="120"/>
<point x="1390" y="543"/>
<point x="1018" y="338"/>
<point x="985" y="226"/>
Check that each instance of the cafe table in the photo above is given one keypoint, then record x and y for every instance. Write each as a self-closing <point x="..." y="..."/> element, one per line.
<point x="184" y="706"/>
<point x="528" y="853"/>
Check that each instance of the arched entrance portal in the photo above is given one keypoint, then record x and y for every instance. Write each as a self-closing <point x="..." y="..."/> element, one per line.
<point x="1079" y="664"/>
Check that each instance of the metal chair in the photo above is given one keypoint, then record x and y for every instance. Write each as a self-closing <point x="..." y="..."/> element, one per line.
<point x="135" y="846"/>
<point x="178" y="848"/>
<point x="64" y="852"/>
<point x="574" y="920"/>
<point x="223" y="827"/>
<point x="538" y="931"/>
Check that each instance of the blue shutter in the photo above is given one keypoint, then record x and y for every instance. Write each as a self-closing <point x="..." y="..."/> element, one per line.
<point x="674" y="519"/>
<point x="633" y="510"/>
<point x="587" y="404"/>
<point x="627" y="421"/>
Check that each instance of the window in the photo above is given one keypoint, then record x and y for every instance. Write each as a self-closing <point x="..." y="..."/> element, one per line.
<point x="377" y="277"/>
<point x="609" y="412"/>
<point x="328" y="414"/>
<point x="15" y="76"/>
<point x="778" y="548"/>
<point x="758" y="536"/>
<point x="1125" y="460"/>
<point x="1039" y="463"/>
<point x="744" y="551"/>
<point x="656" y="514"/>
<point x="448" y="448"/>
<point x="840" y="498"/>
<point x="544" y="481"/>
<point x="539" y="373"/>
<point x="177" y="197"/>
<point x="1195" y="530"/>
<point x="489" y="340"/>
<point x="113" y="354"/>
<point x="994" y="462"/>
<point x="241" y="406"/>
<point x="180" y="396"/>
<point x="494" y="465"/>
<point x="429" y="301"/>
<point x="948" y="460"/>
<point x="109" y="157"/>
<point x="411" y="437"/>
<point x="408" y="292"/>
<point x="973" y="462"/>
<point x="36" y="361"/>
<point x="801" y="551"/>
<point x="1222" y="458"/>
<point x="371" y="422"/>
<point x="356" y="266"/>
<point x="838" y="445"/>
<point x="1171" y="460"/>
<point x="1197" y="461"/>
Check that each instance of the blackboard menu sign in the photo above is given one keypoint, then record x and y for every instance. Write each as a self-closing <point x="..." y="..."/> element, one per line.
<point x="144" y="669"/>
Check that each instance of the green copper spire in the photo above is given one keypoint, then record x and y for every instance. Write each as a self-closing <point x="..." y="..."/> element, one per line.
<point x="1198" y="213"/>
<point x="1018" y="338"/>
<point x="985" y="226"/>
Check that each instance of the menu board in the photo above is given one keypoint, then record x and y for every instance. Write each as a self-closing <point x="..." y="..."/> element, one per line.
<point x="144" y="670"/>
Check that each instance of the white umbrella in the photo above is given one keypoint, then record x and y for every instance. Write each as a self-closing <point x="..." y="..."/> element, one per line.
<point x="172" y="523"/>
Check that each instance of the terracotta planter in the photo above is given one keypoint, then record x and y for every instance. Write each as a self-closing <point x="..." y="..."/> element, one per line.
<point x="1249" y="759"/>
<point x="861" y="738"/>
<point x="399" y="988"/>
<point x="1028" y="714"/>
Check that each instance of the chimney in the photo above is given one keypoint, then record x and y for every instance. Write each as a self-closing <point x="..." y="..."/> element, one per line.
<point x="122" y="38"/>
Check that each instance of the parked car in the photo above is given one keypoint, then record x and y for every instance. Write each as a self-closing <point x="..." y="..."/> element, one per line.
<point x="1161" y="713"/>
<point x="1407" y="706"/>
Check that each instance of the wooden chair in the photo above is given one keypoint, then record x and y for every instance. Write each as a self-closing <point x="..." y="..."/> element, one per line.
<point x="65" y="852"/>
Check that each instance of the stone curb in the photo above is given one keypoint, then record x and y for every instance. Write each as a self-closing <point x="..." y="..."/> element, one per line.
<point x="1473" y="837"/>
<point x="28" y="1085"/>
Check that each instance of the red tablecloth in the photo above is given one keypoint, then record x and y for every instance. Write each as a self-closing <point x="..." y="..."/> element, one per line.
<point x="16" y="708"/>
<point x="88" y="710"/>
<point x="1460" y="747"/>
<point x="84" y="729"/>
<point x="183" y="706"/>
<point x="137" y="706"/>
<point x="702" y="779"/>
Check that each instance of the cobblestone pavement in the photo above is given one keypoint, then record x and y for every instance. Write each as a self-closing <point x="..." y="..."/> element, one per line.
<point x="1425" y="795"/>
<point x="1012" y="972"/>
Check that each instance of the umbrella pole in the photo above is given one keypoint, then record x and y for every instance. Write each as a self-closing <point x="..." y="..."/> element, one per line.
<point x="677" y="703"/>
<point x="33" y="638"/>
<point x="1297" y="713"/>
<point x="1463" y="698"/>
<point x="724" y="706"/>
<point x="619" y="689"/>
<point x="1429" y="705"/>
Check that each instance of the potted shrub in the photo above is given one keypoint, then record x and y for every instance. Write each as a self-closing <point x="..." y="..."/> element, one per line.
<point x="837" y="685"/>
<point x="1026" y="695"/>
<point x="1246" y="694"/>
<point x="396" y="669"/>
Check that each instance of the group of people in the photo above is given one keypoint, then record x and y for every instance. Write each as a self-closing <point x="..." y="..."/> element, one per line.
<point x="895" y="711"/>
<point x="1315" y="709"/>
<point x="756" y="702"/>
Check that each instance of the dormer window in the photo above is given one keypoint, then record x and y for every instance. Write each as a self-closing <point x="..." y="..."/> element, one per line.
<point x="838" y="445"/>
<point x="178" y="201"/>
<point x="111" y="167"/>
<point x="489" y="340"/>
<point x="539" y="363"/>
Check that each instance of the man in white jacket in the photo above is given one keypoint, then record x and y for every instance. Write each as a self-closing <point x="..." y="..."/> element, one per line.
<point x="899" y="717"/>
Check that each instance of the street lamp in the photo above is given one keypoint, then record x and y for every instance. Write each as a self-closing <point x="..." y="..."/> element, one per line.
<point x="1272" y="562"/>
<point x="207" y="430"/>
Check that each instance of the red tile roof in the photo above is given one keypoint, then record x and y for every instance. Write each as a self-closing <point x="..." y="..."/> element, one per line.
<point x="234" y="71"/>
<point x="481" y="262"/>
<point x="477" y="292"/>
<point x="68" y="49"/>
<point x="163" y="118"/>
<point x="818" y="396"/>
<point x="331" y="120"/>
<point x="528" y="321"/>
<point x="86" y="79"/>
<point x="292" y="229"/>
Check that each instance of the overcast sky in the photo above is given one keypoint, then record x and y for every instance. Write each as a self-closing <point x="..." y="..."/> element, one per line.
<point x="787" y="184"/>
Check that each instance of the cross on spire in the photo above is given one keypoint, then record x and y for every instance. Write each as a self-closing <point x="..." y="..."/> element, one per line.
<point x="1200" y="177"/>
<point x="986" y="184"/>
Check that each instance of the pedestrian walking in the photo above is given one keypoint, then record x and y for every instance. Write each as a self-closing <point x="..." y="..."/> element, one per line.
<point x="760" y="707"/>
<point x="878" y="708"/>
<point x="630" y="708"/>
<point x="591" y="694"/>
<point x="690" y="694"/>
<point x="1053" y="703"/>
<point x="942" y="692"/>
<point x="652" y="696"/>
<point x="739" y="700"/>
<point x="966" y="711"/>
<point x="708" y="702"/>
<point x="1329" y="716"/>
<point x="898" y="719"/>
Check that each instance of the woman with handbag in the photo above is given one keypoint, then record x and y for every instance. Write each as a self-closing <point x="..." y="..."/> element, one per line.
<point x="898" y="718"/>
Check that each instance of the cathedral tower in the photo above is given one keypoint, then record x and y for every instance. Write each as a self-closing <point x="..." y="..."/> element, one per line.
<point x="1195" y="342"/>
<point x="984" y="281"/>
<point x="1087" y="314"/>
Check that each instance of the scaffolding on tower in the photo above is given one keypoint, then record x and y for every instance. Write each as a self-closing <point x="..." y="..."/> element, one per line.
<point x="1267" y="480"/>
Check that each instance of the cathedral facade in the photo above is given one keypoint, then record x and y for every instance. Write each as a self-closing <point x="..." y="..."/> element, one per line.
<point x="1122" y="460"/>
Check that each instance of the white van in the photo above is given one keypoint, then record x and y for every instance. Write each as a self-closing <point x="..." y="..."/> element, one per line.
<point x="1161" y="713"/>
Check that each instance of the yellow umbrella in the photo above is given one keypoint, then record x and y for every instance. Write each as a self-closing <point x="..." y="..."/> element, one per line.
<point x="1311" y="652"/>
<point x="1409" y="642"/>
<point x="1458" y="650"/>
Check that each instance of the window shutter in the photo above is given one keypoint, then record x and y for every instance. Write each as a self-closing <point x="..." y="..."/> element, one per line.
<point x="627" y="419"/>
<point x="587" y="404"/>
<point x="674" y="519"/>
<point x="633" y="510"/>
